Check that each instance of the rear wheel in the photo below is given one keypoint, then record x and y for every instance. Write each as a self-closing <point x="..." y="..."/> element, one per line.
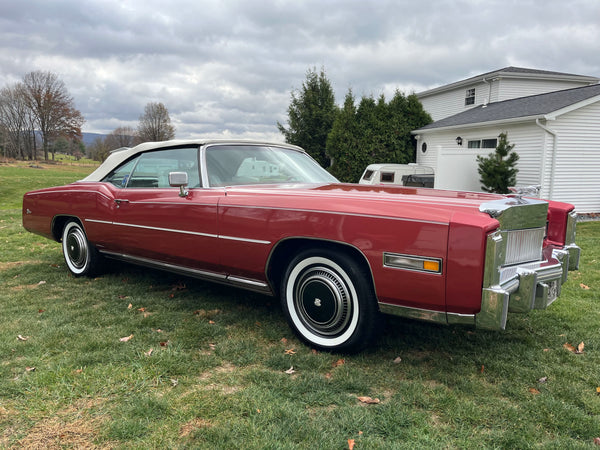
<point x="81" y="257"/>
<point x="329" y="300"/>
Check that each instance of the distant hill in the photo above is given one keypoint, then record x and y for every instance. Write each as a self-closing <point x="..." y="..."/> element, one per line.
<point x="89" y="138"/>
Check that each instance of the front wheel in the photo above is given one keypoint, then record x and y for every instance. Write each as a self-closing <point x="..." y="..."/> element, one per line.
<point x="81" y="257"/>
<point x="329" y="301"/>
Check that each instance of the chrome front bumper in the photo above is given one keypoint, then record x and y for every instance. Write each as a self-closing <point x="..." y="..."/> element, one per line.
<point x="524" y="287"/>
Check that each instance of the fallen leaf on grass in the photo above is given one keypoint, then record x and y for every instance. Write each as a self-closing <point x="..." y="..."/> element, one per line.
<point x="211" y="322"/>
<point x="178" y="287"/>
<point x="41" y="282"/>
<point x="397" y="360"/>
<point x="22" y="338"/>
<point x="141" y="309"/>
<point x="127" y="338"/>
<point x="290" y="351"/>
<point x="597" y="441"/>
<point x="164" y="343"/>
<point x="290" y="370"/>
<point x="339" y="362"/>
<point x="129" y="306"/>
<point x="598" y="390"/>
<point x="174" y="382"/>
<point x="123" y="297"/>
<point x="29" y="369"/>
<point x="534" y="391"/>
<point x="577" y="351"/>
<point x="149" y="352"/>
<point x="41" y="311"/>
<point x="584" y="287"/>
<point x="212" y="346"/>
<point x="543" y="380"/>
<point x="482" y="368"/>
<point x="369" y="400"/>
<point x="283" y="341"/>
<point x="350" y="444"/>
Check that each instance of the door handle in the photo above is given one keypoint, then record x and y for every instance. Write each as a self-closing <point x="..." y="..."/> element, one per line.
<point x="118" y="201"/>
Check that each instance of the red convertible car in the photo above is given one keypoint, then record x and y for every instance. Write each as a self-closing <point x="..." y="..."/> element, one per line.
<point x="268" y="218"/>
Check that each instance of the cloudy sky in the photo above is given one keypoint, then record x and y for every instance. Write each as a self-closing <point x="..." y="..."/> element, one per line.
<point x="226" y="68"/>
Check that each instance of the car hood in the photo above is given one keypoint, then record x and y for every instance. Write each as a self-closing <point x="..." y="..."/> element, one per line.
<point x="392" y="201"/>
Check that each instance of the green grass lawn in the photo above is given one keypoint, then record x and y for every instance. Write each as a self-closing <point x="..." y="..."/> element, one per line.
<point x="206" y="366"/>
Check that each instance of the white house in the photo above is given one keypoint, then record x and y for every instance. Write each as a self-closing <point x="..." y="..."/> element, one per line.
<point x="552" y="118"/>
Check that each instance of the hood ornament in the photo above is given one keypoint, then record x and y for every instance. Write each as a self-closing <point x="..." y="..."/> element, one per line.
<point x="519" y="191"/>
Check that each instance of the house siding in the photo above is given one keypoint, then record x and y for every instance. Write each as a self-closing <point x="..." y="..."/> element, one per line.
<point x="577" y="165"/>
<point x="452" y="102"/>
<point x="456" y="166"/>
<point x="447" y="103"/>
<point x="509" y="88"/>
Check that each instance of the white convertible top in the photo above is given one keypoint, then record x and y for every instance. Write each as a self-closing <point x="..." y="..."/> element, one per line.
<point x="118" y="156"/>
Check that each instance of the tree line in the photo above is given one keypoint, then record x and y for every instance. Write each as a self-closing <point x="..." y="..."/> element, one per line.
<point x="38" y="116"/>
<point x="346" y="139"/>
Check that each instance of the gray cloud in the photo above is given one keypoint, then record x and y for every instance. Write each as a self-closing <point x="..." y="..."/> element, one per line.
<point x="226" y="68"/>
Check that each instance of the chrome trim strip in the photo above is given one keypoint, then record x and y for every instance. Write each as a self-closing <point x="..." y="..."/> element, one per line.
<point x="108" y="222"/>
<point x="246" y="283"/>
<point x="412" y="263"/>
<point x="253" y="241"/>
<point x="172" y="230"/>
<point x="413" y="313"/>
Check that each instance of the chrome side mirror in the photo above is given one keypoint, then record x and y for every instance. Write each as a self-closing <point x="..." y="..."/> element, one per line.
<point x="180" y="180"/>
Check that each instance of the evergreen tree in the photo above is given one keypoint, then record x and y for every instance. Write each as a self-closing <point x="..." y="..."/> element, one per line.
<point x="498" y="170"/>
<point x="311" y="115"/>
<point x="375" y="132"/>
<point x="343" y="143"/>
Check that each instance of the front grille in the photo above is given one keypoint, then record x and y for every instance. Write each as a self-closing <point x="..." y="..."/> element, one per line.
<point x="524" y="245"/>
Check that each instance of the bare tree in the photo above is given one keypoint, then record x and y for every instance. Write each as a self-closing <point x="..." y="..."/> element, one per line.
<point x="155" y="124"/>
<point x="53" y="108"/>
<point x="121" y="137"/>
<point x="98" y="150"/>
<point x="16" y="121"/>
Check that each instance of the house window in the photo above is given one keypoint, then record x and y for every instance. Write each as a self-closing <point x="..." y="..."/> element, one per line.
<point x="483" y="143"/>
<point x="470" y="97"/>
<point x="489" y="143"/>
<point x="424" y="147"/>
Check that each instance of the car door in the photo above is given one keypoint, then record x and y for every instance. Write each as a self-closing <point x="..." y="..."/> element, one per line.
<point x="154" y="222"/>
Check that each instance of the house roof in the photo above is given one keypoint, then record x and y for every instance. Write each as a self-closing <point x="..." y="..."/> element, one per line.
<point x="512" y="72"/>
<point x="518" y="109"/>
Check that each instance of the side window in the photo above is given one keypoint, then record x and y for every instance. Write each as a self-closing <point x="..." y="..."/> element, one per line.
<point x="151" y="169"/>
<point x="120" y="176"/>
<point x="387" y="177"/>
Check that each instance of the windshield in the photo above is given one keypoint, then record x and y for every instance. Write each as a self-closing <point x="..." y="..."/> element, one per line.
<point x="229" y="165"/>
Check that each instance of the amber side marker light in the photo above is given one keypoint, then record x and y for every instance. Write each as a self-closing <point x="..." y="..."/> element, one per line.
<point x="412" y="262"/>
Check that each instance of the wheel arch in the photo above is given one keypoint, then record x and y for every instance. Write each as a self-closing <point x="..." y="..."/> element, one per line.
<point x="59" y="223"/>
<point x="285" y="250"/>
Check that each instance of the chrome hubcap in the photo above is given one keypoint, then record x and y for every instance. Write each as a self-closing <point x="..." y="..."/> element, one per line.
<point x="77" y="248"/>
<point x="323" y="301"/>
